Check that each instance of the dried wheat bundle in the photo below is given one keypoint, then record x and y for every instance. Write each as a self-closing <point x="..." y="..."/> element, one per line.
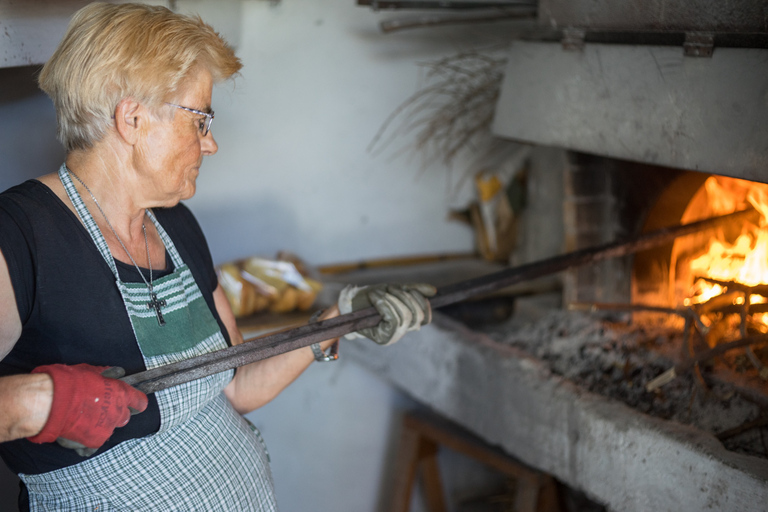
<point x="453" y="112"/>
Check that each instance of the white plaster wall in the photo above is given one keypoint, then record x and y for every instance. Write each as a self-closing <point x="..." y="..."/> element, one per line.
<point x="31" y="29"/>
<point x="292" y="170"/>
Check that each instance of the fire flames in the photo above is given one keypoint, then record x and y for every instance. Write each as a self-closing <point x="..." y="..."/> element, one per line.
<point x="736" y="259"/>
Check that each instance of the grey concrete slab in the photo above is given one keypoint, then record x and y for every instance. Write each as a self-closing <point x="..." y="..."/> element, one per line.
<point x="642" y="103"/>
<point x="616" y="455"/>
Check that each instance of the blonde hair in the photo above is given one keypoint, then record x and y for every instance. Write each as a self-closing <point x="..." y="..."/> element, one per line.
<point x="111" y="52"/>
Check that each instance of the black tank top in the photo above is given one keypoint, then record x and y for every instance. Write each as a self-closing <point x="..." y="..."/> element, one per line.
<point x="69" y="305"/>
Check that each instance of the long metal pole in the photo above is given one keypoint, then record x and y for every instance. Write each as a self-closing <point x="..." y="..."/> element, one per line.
<point x="264" y="347"/>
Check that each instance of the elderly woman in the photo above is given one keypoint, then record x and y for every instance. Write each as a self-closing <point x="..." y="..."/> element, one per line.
<point x="102" y="267"/>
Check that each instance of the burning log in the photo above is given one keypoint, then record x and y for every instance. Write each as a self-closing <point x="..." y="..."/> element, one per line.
<point x="729" y="308"/>
<point x="737" y="299"/>
<point x="760" y="289"/>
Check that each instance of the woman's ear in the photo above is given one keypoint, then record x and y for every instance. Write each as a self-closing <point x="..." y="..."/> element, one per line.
<point x="130" y="120"/>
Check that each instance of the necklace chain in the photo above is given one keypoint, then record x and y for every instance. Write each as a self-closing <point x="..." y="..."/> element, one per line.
<point x="143" y="229"/>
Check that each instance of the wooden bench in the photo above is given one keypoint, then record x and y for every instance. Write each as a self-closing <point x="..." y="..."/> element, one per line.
<point x="420" y="442"/>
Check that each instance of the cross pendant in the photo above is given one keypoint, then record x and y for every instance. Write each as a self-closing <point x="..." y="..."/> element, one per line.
<point x="156" y="305"/>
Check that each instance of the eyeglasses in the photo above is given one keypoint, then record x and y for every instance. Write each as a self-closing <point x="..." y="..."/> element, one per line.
<point x="205" y="124"/>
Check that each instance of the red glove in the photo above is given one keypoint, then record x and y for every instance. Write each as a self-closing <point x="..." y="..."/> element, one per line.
<point x="87" y="407"/>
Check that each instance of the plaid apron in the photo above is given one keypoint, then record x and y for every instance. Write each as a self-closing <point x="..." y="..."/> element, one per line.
<point x="205" y="455"/>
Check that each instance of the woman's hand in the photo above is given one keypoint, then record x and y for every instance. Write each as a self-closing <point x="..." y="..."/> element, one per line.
<point x="87" y="406"/>
<point x="403" y="308"/>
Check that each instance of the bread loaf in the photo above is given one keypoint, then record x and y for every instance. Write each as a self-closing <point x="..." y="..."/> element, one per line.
<point x="255" y="284"/>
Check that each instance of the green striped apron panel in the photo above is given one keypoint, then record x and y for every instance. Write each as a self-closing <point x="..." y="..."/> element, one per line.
<point x="189" y="330"/>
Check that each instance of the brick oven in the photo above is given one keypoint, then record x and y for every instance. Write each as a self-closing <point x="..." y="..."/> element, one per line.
<point x="630" y="110"/>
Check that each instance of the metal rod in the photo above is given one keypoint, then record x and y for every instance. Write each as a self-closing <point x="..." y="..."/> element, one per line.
<point x="403" y="261"/>
<point x="257" y="349"/>
<point x="443" y="4"/>
<point x="252" y="350"/>
<point x="499" y="280"/>
<point x="388" y="26"/>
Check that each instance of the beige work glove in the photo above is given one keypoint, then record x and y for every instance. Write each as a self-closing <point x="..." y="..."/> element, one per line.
<point x="403" y="308"/>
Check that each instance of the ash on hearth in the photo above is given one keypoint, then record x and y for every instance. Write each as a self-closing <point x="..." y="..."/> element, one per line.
<point x="617" y="359"/>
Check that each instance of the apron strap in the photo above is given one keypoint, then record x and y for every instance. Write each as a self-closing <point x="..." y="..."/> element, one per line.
<point x="167" y="242"/>
<point x="87" y="219"/>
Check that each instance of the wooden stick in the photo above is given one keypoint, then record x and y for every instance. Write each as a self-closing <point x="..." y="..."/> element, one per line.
<point x="759" y="289"/>
<point x="685" y="313"/>
<point x="256" y="349"/>
<point x="749" y="425"/>
<point x="720" y="349"/>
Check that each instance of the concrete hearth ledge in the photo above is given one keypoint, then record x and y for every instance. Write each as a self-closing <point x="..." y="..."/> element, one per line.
<point x="618" y="456"/>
